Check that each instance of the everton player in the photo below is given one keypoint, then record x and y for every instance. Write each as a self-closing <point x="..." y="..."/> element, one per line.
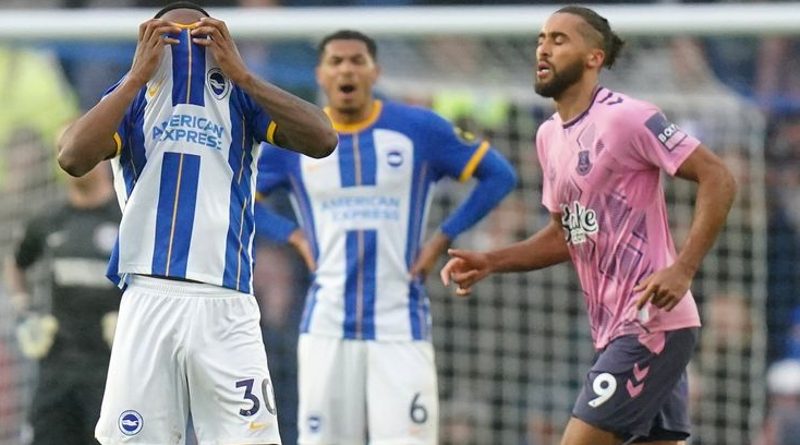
<point x="602" y="154"/>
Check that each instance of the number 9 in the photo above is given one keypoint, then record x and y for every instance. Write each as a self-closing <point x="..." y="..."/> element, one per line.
<point x="604" y="386"/>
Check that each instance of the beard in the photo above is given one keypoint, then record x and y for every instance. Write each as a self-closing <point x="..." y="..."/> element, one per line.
<point x="561" y="80"/>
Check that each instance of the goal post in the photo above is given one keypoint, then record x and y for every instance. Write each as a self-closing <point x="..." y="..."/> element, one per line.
<point x="289" y="23"/>
<point x="512" y="356"/>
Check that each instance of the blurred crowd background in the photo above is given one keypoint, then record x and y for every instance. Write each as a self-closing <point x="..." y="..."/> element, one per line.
<point x="740" y="94"/>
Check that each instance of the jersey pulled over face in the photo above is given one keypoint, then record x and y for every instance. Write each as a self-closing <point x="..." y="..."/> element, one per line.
<point x="185" y="173"/>
<point x="602" y="174"/>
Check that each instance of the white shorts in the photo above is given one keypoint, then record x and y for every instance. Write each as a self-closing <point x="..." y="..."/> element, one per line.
<point x="186" y="346"/>
<point x="354" y="389"/>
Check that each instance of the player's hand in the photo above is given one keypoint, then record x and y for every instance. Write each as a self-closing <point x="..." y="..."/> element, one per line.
<point x="428" y="256"/>
<point x="213" y="34"/>
<point x="153" y="37"/>
<point x="465" y="268"/>
<point x="300" y="243"/>
<point x="36" y="334"/>
<point x="665" y="288"/>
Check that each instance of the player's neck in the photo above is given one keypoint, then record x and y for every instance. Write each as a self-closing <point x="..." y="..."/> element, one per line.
<point x="576" y="99"/>
<point x="354" y="117"/>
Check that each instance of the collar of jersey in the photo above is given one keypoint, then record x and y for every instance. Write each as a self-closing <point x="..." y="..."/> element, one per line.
<point x="583" y="114"/>
<point x="377" y="107"/>
<point x="186" y="25"/>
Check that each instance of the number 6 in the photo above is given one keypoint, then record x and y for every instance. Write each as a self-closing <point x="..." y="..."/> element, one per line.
<point x="604" y="386"/>
<point x="418" y="412"/>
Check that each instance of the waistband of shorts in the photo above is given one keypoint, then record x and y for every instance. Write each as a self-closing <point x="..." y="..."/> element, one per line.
<point x="178" y="288"/>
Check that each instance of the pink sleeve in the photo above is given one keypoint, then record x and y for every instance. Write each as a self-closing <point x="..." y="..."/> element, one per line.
<point x="656" y="142"/>
<point x="548" y="200"/>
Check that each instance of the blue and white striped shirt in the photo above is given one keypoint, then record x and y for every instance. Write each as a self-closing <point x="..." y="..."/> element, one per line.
<point x="185" y="174"/>
<point x="364" y="210"/>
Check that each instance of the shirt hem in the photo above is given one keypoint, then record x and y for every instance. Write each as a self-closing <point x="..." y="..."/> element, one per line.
<point x="385" y="339"/>
<point x="650" y="330"/>
<point x="202" y="278"/>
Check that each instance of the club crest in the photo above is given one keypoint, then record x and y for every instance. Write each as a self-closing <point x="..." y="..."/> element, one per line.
<point x="218" y="83"/>
<point x="584" y="164"/>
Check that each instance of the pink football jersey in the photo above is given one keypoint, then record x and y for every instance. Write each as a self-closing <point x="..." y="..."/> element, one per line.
<point x="602" y="173"/>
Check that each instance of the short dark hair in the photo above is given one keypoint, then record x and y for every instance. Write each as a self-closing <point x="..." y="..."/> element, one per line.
<point x="349" y="34"/>
<point x="611" y="44"/>
<point x="180" y="5"/>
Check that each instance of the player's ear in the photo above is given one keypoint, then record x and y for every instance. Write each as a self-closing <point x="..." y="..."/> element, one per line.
<point x="318" y="75"/>
<point x="595" y="58"/>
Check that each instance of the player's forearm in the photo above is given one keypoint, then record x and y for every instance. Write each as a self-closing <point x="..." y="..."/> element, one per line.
<point x="546" y="248"/>
<point x="496" y="179"/>
<point x="272" y="225"/>
<point x="302" y="126"/>
<point x="90" y="139"/>
<point x="715" y="194"/>
<point x="16" y="285"/>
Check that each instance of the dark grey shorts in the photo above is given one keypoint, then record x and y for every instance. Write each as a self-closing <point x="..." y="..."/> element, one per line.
<point x="635" y="393"/>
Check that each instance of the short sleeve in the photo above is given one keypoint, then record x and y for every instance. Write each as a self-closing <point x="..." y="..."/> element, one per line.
<point x="122" y="135"/>
<point x="452" y="151"/>
<point x="31" y="247"/>
<point x="655" y="142"/>
<point x="260" y="122"/>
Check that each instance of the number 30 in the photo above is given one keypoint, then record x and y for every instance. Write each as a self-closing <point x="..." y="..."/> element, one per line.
<point x="604" y="386"/>
<point x="266" y="390"/>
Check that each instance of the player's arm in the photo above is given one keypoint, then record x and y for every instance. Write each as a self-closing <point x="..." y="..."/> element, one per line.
<point x="545" y="248"/>
<point x="35" y="332"/>
<point x="301" y="126"/>
<point x="496" y="179"/>
<point x="91" y="139"/>
<point x="277" y="228"/>
<point x="273" y="173"/>
<point x="17" y="285"/>
<point x="272" y="225"/>
<point x="716" y="189"/>
<point x="28" y="251"/>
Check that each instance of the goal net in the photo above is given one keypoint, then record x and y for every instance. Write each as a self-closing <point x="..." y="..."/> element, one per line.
<point x="511" y="358"/>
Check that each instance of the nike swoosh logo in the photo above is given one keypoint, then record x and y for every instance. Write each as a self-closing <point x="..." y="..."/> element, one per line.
<point x="153" y="89"/>
<point x="640" y="374"/>
<point x="255" y="426"/>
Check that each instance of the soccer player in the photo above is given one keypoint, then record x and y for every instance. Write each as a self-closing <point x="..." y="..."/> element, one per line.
<point x="366" y="362"/>
<point x="602" y="154"/>
<point x="70" y="338"/>
<point x="182" y="128"/>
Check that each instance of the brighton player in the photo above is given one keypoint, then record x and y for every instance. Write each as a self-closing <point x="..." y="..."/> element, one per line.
<point x="183" y="128"/>
<point x="602" y="154"/>
<point x="366" y="362"/>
